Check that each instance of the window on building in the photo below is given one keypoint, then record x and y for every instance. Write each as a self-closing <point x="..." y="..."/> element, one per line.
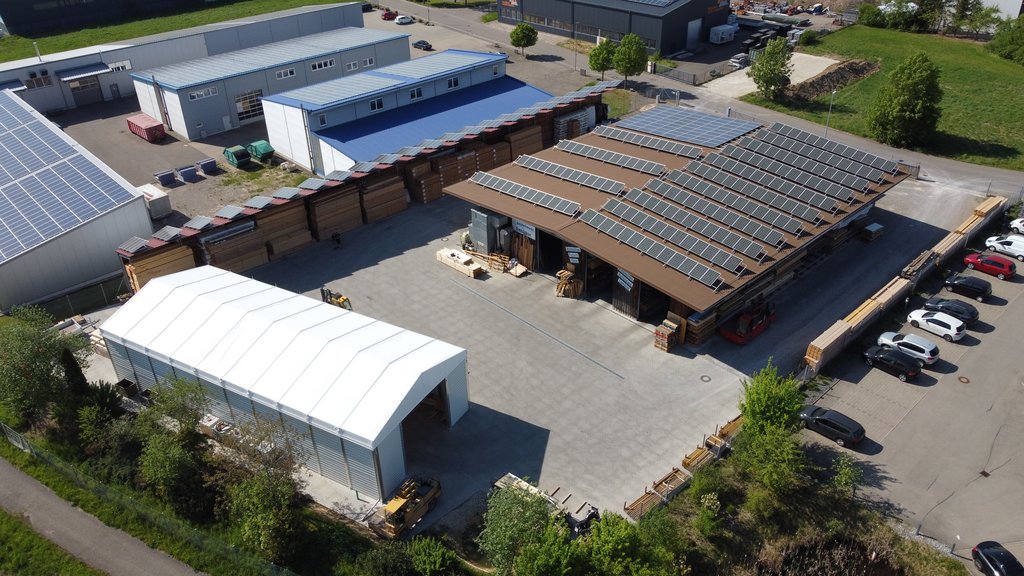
<point x="368" y="62"/>
<point x="286" y="73"/>
<point x="323" y="119"/>
<point x="120" y="66"/>
<point x="376" y="104"/>
<point x="350" y="66"/>
<point x="204" y="93"/>
<point x="453" y="82"/>
<point x="415" y="93"/>
<point x="329" y="63"/>
<point x="248" y="105"/>
<point x="38" y="82"/>
<point x="84" y="84"/>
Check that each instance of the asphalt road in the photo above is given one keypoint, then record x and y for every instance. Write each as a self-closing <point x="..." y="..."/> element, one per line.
<point x="79" y="533"/>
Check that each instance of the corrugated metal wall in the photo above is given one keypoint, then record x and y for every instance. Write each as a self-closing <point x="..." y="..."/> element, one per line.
<point x="122" y="364"/>
<point x="362" y="469"/>
<point x="309" y="454"/>
<point x="143" y="370"/>
<point x="218" y="403"/>
<point x="332" y="459"/>
<point x="241" y="407"/>
<point x="163" y="371"/>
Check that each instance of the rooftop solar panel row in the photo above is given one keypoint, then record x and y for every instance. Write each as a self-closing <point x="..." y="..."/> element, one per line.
<point x="686" y="125"/>
<point x="762" y="178"/>
<point x="610" y="157"/>
<point x="759" y="193"/>
<point x="834" y="160"/>
<point x="645" y="141"/>
<point x="736" y="201"/>
<point x="570" y="174"/>
<point x="791" y="173"/>
<point x="832" y="146"/>
<point x="526" y="193"/>
<point x="806" y="164"/>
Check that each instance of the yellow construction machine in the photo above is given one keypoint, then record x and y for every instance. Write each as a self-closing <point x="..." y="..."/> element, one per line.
<point x="414" y="499"/>
<point x="336" y="298"/>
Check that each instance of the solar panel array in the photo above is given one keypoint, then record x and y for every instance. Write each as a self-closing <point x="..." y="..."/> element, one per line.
<point x="688" y="242"/>
<point x="737" y="202"/>
<point x="647" y="141"/>
<point x="816" y="199"/>
<point x="687" y="125"/>
<point x="645" y="245"/>
<point x="570" y="174"/>
<point x="526" y="193"/>
<point x="806" y="164"/>
<point x="834" y="160"/>
<point x="719" y="234"/>
<point x="837" y="148"/>
<point x="717" y="213"/>
<point x="610" y="157"/>
<point x="808" y="180"/>
<point x="759" y="193"/>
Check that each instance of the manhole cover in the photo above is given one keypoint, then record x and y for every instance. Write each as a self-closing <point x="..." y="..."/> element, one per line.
<point x="705" y="378"/>
<point x="964" y="380"/>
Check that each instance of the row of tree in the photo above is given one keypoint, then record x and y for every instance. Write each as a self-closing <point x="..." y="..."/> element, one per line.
<point x="628" y="57"/>
<point x="947" y="16"/>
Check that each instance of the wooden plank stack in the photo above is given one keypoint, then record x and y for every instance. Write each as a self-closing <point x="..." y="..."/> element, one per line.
<point x="666" y="335"/>
<point x="642" y="505"/>
<point x="145" y="266"/>
<point x="569" y="286"/>
<point x="285" y="229"/>
<point x="698" y="331"/>
<point x="990" y="204"/>
<point x="335" y="212"/>
<point x="240" y="252"/>
<point x="454" y="168"/>
<point x="696" y="459"/>
<point x="490" y="156"/>
<point x="383" y="198"/>
<point x="522" y="249"/>
<point x="424" y="185"/>
<point x="525" y="141"/>
<point x="827" y="345"/>
<point x="460" y="261"/>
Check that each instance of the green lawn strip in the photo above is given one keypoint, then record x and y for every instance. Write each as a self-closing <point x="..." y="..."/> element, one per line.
<point x="983" y="106"/>
<point x="26" y="553"/>
<point x="620" y="102"/>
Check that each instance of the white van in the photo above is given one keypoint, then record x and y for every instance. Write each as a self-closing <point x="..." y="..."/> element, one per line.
<point x="1009" y="244"/>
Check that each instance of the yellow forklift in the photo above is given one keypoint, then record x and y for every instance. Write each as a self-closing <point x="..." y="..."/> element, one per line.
<point x="336" y="298"/>
<point x="414" y="499"/>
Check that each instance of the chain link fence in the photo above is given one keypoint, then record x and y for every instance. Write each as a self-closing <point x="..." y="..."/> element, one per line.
<point x="694" y="78"/>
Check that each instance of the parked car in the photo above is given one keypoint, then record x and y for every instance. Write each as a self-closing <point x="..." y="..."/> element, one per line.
<point x="422" y="45"/>
<point x="404" y="20"/>
<point x="919" y="347"/>
<point x="969" y="286"/>
<point x="958" y="309"/>
<point x="938" y="323"/>
<point x="836" y="426"/>
<point x="1009" y="244"/>
<point x="388" y="14"/>
<point x="892" y="361"/>
<point x="993" y="264"/>
<point x="367" y="7"/>
<point x="739" y="61"/>
<point x="993" y="559"/>
<point x="1017" y="226"/>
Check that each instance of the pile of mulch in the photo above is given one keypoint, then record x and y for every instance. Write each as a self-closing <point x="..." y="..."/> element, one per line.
<point x="832" y="78"/>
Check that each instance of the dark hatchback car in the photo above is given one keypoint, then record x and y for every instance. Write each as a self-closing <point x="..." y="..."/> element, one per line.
<point x="845" y="431"/>
<point x="958" y="309"/>
<point x="905" y="367"/>
<point x="422" y="45"/>
<point x="969" y="286"/>
<point x="992" y="559"/>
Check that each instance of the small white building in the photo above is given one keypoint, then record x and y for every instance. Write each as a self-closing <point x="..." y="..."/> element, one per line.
<point x="63" y="212"/>
<point x="344" y="382"/>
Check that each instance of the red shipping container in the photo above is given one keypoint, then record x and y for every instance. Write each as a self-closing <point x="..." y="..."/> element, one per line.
<point x="146" y="127"/>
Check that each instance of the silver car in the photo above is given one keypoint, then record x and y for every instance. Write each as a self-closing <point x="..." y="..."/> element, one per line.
<point x="922" y="349"/>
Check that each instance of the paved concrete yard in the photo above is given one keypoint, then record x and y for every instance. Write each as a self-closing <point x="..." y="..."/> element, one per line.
<point x="737" y="84"/>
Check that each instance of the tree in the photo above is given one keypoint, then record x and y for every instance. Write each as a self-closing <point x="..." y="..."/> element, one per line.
<point x="870" y="15"/>
<point x="846" y="474"/>
<point x="514" y="518"/>
<point x="31" y="373"/>
<point x="430" y="557"/>
<point x="553" y="554"/>
<point x="906" y="111"/>
<point x="264" y="445"/>
<point x="388" y="559"/>
<point x="772" y="68"/>
<point x="982" y="19"/>
<point x="182" y="401"/>
<point x="615" y="548"/>
<point x="267" y="515"/>
<point x="770" y="401"/>
<point x="523" y="36"/>
<point x="630" y="57"/>
<point x="1008" y="41"/>
<point x="773" y="458"/>
<point x="165" y="466"/>
<point x="602" y="57"/>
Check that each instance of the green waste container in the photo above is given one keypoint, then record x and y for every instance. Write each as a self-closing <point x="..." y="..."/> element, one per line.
<point x="261" y="150"/>
<point x="237" y="156"/>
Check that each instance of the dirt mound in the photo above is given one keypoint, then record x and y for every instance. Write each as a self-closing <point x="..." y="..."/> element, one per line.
<point x="832" y="78"/>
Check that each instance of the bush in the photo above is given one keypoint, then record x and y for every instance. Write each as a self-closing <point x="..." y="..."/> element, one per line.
<point x="431" y="557"/>
<point x="389" y="559"/>
<point x="489" y="17"/>
<point x="870" y="15"/>
<point x="809" y="38"/>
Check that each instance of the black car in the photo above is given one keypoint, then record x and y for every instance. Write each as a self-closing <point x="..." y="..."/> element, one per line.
<point x="422" y="45"/>
<point x="992" y="559"/>
<point x="832" y="425"/>
<point x="958" y="309"/>
<point x="367" y="7"/>
<point x="904" y="366"/>
<point x="969" y="286"/>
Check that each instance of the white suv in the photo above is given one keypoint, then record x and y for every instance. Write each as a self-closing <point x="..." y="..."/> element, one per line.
<point x="922" y="349"/>
<point x="1009" y="244"/>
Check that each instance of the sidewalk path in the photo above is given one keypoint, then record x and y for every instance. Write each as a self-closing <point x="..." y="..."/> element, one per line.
<point x="79" y="533"/>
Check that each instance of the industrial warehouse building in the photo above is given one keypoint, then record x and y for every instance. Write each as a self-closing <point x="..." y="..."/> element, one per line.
<point x="62" y="211"/>
<point x="666" y="26"/>
<point x="334" y="125"/>
<point x="202" y="97"/>
<point x="344" y="382"/>
<point x="65" y="80"/>
<point x="677" y="212"/>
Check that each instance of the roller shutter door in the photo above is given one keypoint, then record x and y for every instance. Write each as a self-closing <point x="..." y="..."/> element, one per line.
<point x="332" y="459"/>
<point x="241" y="407"/>
<point x="140" y="362"/>
<point x="163" y="372"/>
<point x="122" y="364"/>
<point x="309" y="456"/>
<point x="218" y="404"/>
<point x="362" y="469"/>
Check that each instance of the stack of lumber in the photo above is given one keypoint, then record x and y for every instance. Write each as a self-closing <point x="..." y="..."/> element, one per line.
<point x="835" y="238"/>
<point x="99" y="345"/>
<point x="383" y="198"/>
<point x="460" y="261"/>
<point x="490" y="156"/>
<point x="285" y="229"/>
<point x="917" y="264"/>
<point x="671" y="484"/>
<point x="525" y="141"/>
<point x="423" y="184"/>
<point x="238" y="253"/>
<point x="454" y="168"/>
<point x="666" y="335"/>
<point x="893" y="291"/>
<point x="495" y="260"/>
<point x="148" y="265"/>
<point x="698" y="331"/>
<point x="335" y="212"/>
<point x="990" y="204"/>
<point x="522" y="249"/>
<point x="699" y="457"/>
<point x="642" y="505"/>
<point x="863" y="314"/>
<point x="569" y="286"/>
<point x="826" y="345"/>
<point x="949" y="244"/>
<point x="730" y="429"/>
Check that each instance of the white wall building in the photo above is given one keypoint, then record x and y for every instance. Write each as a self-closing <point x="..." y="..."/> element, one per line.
<point x="342" y="381"/>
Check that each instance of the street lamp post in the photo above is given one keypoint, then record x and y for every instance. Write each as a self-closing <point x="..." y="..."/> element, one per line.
<point x="572" y="22"/>
<point x="829" y="116"/>
<point x="428" y="11"/>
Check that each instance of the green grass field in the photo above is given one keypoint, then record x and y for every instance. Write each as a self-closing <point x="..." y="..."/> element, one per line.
<point x="26" y="553"/>
<point x="983" y="106"/>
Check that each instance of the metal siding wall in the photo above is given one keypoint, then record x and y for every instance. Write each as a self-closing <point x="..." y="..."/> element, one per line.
<point x="391" y="457"/>
<point x="208" y="111"/>
<point x="457" y="392"/>
<point x="603" y="19"/>
<point x="146" y="95"/>
<point x="161" y="370"/>
<point x="278" y="130"/>
<point x="241" y="407"/>
<point x="267" y="413"/>
<point x="144" y="371"/>
<point x="362" y="469"/>
<point x="218" y="403"/>
<point x="309" y="456"/>
<point x="332" y="459"/>
<point x="392" y="52"/>
<point x="175" y="115"/>
<point x="46" y="99"/>
<point x="119" y="357"/>
<point x="284" y="28"/>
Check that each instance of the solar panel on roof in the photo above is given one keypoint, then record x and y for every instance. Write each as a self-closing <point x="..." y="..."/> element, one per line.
<point x="667" y="256"/>
<point x="167" y="233"/>
<point x="258" y="202"/>
<point x="312" y="184"/>
<point x="556" y="203"/>
<point x="338" y="175"/>
<point x="229" y="212"/>
<point x="807" y="179"/>
<point x="570" y="174"/>
<point x="286" y="193"/>
<point x="364" y="167"/>
<point x="611" y="157"/>
<point x="773" y="182"/>
<point x="645" y="141"/>
<point x="834" y="160"/>
<point x="806" y="164"/>
<point x="386" y="159"/>
<point x="199" y="222"/>
<point x="751" y="190"/>
<point x="134" y="245"/>
<point x="843" y="150"/>
<point x="687" y="125"/>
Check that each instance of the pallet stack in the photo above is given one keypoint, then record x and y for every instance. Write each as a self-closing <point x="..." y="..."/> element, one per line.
<point x="382" y="199"/>
<point x="454" y="168"/>
<point x="525" y="141"/>
<point x="285" y="229"/>
<point x="239" y="253"/>
<point x="666" y="335"/>
<point x="569" y="286"/>
<point x="145" y="266"/>
<point x="336" y="212"/>
<point x="423" y="184"/>
<point x="522" y="249"/>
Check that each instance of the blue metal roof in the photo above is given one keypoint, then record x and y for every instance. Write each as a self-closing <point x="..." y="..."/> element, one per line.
<point x="368" y="138"/>
<point x="385" y="79"/>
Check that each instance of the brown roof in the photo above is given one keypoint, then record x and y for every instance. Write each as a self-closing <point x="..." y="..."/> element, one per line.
<point x="651" y="271"/>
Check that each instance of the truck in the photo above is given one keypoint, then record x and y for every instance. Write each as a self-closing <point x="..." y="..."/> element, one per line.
<point x="414" y="498"/>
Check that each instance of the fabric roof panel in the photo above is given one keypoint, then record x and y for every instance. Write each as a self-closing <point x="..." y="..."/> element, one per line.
<point x="265" y="347"/>
<point x="211" y="328"/>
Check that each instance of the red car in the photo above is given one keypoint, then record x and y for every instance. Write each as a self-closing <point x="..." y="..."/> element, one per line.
<point x="993" y="264"/>
<point x="388" y="15"/>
